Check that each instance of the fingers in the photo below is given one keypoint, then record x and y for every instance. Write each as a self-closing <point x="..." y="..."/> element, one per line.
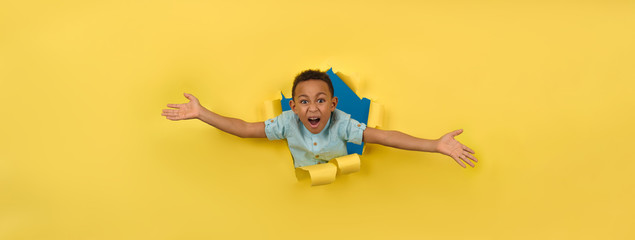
<point x="171" y="111"/>
<point x="466" y="160"/>
<point x="189" y="96"/>
<point x="468" y="153"/>
<point x="468" y="149"/>
<point x="470" y="156"/>
<point x="459" y="161"/>
<point x="172" y="114"/>
<point x="456" y="133"/>
<point x="462" y="157"/>
<point x="174" y="118"/>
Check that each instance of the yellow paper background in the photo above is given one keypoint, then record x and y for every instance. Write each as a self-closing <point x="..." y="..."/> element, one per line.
<point x="544" y="91"/>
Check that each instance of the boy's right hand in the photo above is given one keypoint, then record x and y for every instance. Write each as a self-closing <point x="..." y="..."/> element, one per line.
<point x="183" y="111"/>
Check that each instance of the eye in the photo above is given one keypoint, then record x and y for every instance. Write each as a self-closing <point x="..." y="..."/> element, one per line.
<point x="304" y="101"/>
<point x="321" y="100"/>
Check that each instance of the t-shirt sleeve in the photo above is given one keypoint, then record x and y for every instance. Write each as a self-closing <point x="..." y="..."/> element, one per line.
<point x="275" y="128"/>
<point x="354" y="131"/>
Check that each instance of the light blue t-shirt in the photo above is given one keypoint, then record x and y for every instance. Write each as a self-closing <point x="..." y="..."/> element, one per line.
<point x="310" y="149"/>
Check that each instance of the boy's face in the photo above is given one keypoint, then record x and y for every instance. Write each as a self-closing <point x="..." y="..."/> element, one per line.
<point x="313" y="104"/>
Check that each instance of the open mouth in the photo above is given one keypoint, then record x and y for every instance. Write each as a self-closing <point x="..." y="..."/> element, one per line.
<point x="314" y="121"/>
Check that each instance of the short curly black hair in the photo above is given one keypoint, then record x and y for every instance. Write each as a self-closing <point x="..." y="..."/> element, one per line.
<point x="311" y="74"/>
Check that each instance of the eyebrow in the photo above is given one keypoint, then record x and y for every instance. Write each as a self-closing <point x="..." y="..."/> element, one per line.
<point x="304" y="95"/>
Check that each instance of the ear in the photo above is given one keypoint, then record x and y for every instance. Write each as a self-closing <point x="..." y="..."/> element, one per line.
<point x="292" y="105"/>
<point x="334" y="102"/>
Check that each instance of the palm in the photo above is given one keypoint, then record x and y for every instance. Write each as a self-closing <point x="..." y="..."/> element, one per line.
<point x="460" y="153"/>
<point x="449" y="146"/>
<point x="183" y="111"/>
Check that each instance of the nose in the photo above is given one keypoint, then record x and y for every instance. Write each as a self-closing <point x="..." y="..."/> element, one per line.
<point x="313" y="107"/>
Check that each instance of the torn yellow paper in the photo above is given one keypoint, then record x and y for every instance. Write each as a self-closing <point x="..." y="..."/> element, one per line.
<point x="347" y="164"/>
<point x="375" y="115"/>
<point x="321" y="174"/>
<point x="271" y="109"/>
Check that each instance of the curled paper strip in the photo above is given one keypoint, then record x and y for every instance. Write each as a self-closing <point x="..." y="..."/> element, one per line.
<point x="271" y="109"/>
<point x="375" y="115"/>
<point x="321" y="174"/>
<point x="347" y="164"/>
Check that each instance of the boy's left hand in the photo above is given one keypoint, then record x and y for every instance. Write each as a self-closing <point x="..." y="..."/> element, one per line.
<point x="453" y="148"/>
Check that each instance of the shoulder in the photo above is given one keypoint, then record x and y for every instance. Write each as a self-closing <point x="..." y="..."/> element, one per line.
<point x="281" y="126"/>
<point x="289" y="119"/>
<point x="348" y="128"/>
<point x="340" y="121"/>
<point x="282" y="119"/>
<point x="340" y="116"/>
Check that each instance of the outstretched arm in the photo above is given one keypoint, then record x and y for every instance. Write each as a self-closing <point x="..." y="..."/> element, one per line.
<point x="193" y="109"/>
<point x="446" y="144"/>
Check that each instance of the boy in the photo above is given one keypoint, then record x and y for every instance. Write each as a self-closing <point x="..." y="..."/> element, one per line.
<point x="315" y="130"/>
